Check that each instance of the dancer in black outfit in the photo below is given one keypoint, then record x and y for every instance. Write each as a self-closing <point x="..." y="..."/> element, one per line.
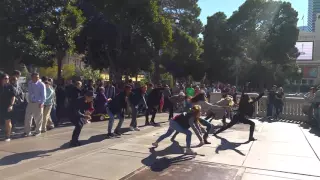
<point x="246" y="109"/>
<point x="153" y="102"/>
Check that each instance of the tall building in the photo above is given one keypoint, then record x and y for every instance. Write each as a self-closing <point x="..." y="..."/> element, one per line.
<point x="313" y="9"/>
<point x="303" y="28"/>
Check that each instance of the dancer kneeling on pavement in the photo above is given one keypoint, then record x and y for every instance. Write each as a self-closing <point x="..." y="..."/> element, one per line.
<point x="117" y="107"/>
<point x="181" y="123"/>
<point x="246" y="109"/>
<point x="81" y="116"/>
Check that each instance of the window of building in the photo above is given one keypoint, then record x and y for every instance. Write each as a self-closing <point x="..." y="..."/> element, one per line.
<point x="311" y="82"/>
<point x="304" y="81"/>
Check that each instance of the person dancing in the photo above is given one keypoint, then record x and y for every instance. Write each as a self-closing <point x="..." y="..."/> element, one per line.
<point x="246" y="108"/>
<point x="181" y="123"/>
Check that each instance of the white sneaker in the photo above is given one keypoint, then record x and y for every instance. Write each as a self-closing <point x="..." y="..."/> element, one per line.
<point x="190" y="152"/>
<point x="131" y="128"/>
<point x="155" y="144"/>
<point x="7" y="140"/>
<point x="37" y="134"/>
<point x="137" y="129"/>
<point x="27" y="135"/>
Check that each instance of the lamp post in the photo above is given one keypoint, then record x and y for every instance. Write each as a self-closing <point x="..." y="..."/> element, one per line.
<point x="299" y="71"/>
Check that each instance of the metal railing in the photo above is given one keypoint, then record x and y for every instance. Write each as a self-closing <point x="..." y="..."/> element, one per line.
<point x="292" y="108"/>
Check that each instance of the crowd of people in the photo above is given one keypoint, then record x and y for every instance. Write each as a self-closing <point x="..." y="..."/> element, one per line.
<point x="49" y="104"/>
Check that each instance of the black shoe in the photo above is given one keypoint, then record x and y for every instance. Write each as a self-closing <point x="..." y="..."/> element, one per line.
<point x="74" y="144"/>
<point x="117" y="133"/>
<point x="252" y="139"/>
<point x="110" y="135"/>
<point x="147" y="124"/>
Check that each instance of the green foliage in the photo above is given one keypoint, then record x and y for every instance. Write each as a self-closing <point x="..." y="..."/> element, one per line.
<point x="68" y="71"/>
<point x="262" y="34"/>
<point x="89" y="73"/>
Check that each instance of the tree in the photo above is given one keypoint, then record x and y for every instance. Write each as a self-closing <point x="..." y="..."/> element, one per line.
<point x="219" y="47"/>
<point x="181" y="58"/>
<point x="261" y="34"/>
<point x="138" y="32"/>
<point x="270" y="29"/>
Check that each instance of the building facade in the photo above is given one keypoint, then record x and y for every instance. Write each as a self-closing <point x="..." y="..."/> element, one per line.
<point x="313" y="9"/>
<point x="310" y="68"/>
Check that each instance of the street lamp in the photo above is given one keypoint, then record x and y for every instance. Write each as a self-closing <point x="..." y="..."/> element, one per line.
<point x="299" y="71"/>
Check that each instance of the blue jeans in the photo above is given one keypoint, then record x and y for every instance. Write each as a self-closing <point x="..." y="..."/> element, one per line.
<point x="206" y="124"/>
<point x="53" y="115"/>
<point x="111" y="121"/>
<point x="174" y="126"/>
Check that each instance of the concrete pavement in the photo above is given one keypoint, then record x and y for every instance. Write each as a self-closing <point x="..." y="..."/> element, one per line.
<point x="283" y="151"/>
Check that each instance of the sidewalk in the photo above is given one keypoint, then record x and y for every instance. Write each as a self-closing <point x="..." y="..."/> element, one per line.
<point x="283" y="151"/>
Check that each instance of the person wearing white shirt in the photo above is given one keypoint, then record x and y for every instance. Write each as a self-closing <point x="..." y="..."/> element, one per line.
<point x="37" y="98"/>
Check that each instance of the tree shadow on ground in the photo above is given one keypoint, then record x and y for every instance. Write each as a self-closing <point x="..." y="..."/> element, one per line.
<point x="18" y="157"/>
<point x="227" y="145"/>
<point x="159" y="164"/>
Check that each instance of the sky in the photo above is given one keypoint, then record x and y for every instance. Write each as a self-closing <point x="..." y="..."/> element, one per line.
<point x="209" y="7"/>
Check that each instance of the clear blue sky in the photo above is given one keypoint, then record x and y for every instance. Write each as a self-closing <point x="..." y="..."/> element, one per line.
<point x="209" y="7"/>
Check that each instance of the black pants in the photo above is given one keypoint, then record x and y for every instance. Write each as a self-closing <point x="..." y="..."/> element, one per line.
<point x="78" y="124"/>
<point x="168" y="105"/>
<point x="239" y="118"/>
<point x="211" y="115"/>
<point x="151" y="110"/>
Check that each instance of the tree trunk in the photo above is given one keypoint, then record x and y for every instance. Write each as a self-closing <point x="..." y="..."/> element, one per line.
<point x="157" y="69"/>
<point x="60" y="56"/>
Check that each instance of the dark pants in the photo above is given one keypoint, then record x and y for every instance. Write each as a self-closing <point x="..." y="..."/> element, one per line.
<point x="279" y="107"/>
<point x="211" y="115"/>
<point x="53" y="115"/>
<point x="202" y="122"/>
<point x="78" y="124"/>
<point x="134" y="114"/>
<point x="168" y="105"/>
<point x="151" y="110"/>
<point x="270" y="109"/>
<point x="239" y="118"/>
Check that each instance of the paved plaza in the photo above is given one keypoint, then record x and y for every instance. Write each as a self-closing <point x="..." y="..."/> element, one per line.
<point x="283" y="151"/>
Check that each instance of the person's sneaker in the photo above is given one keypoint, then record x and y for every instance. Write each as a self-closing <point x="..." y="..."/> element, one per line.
<point x="27" y="134"/>
<point x="155" y="144"/>
<point x="37" y="134"/>
<point x="201" y="143"/>
<point x="137" y="129"/>
<point x="117" y="133"/>
<point x="131" y="128"/>
<point x="43" y="131"/>
<point x="252" y="139"/>
<point x="110" y="135"/>
<point x="190" y="152"/>
<point x="50" y="127"/>
<point x="7" y="140"/>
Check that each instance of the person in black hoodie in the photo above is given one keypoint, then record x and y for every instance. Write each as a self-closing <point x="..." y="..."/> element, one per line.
<point x="137" y="97"/>
<point x="153" y="102"/>
<point x="246" y="109"/>
<point x="80" y="115"/>
<point x="117" y="107"/>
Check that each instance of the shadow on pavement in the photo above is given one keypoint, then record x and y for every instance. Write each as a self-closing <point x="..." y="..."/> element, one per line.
<point x="227" y="145"/>
<point x="158" y="165"/>
<point x="18" y="157"/>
